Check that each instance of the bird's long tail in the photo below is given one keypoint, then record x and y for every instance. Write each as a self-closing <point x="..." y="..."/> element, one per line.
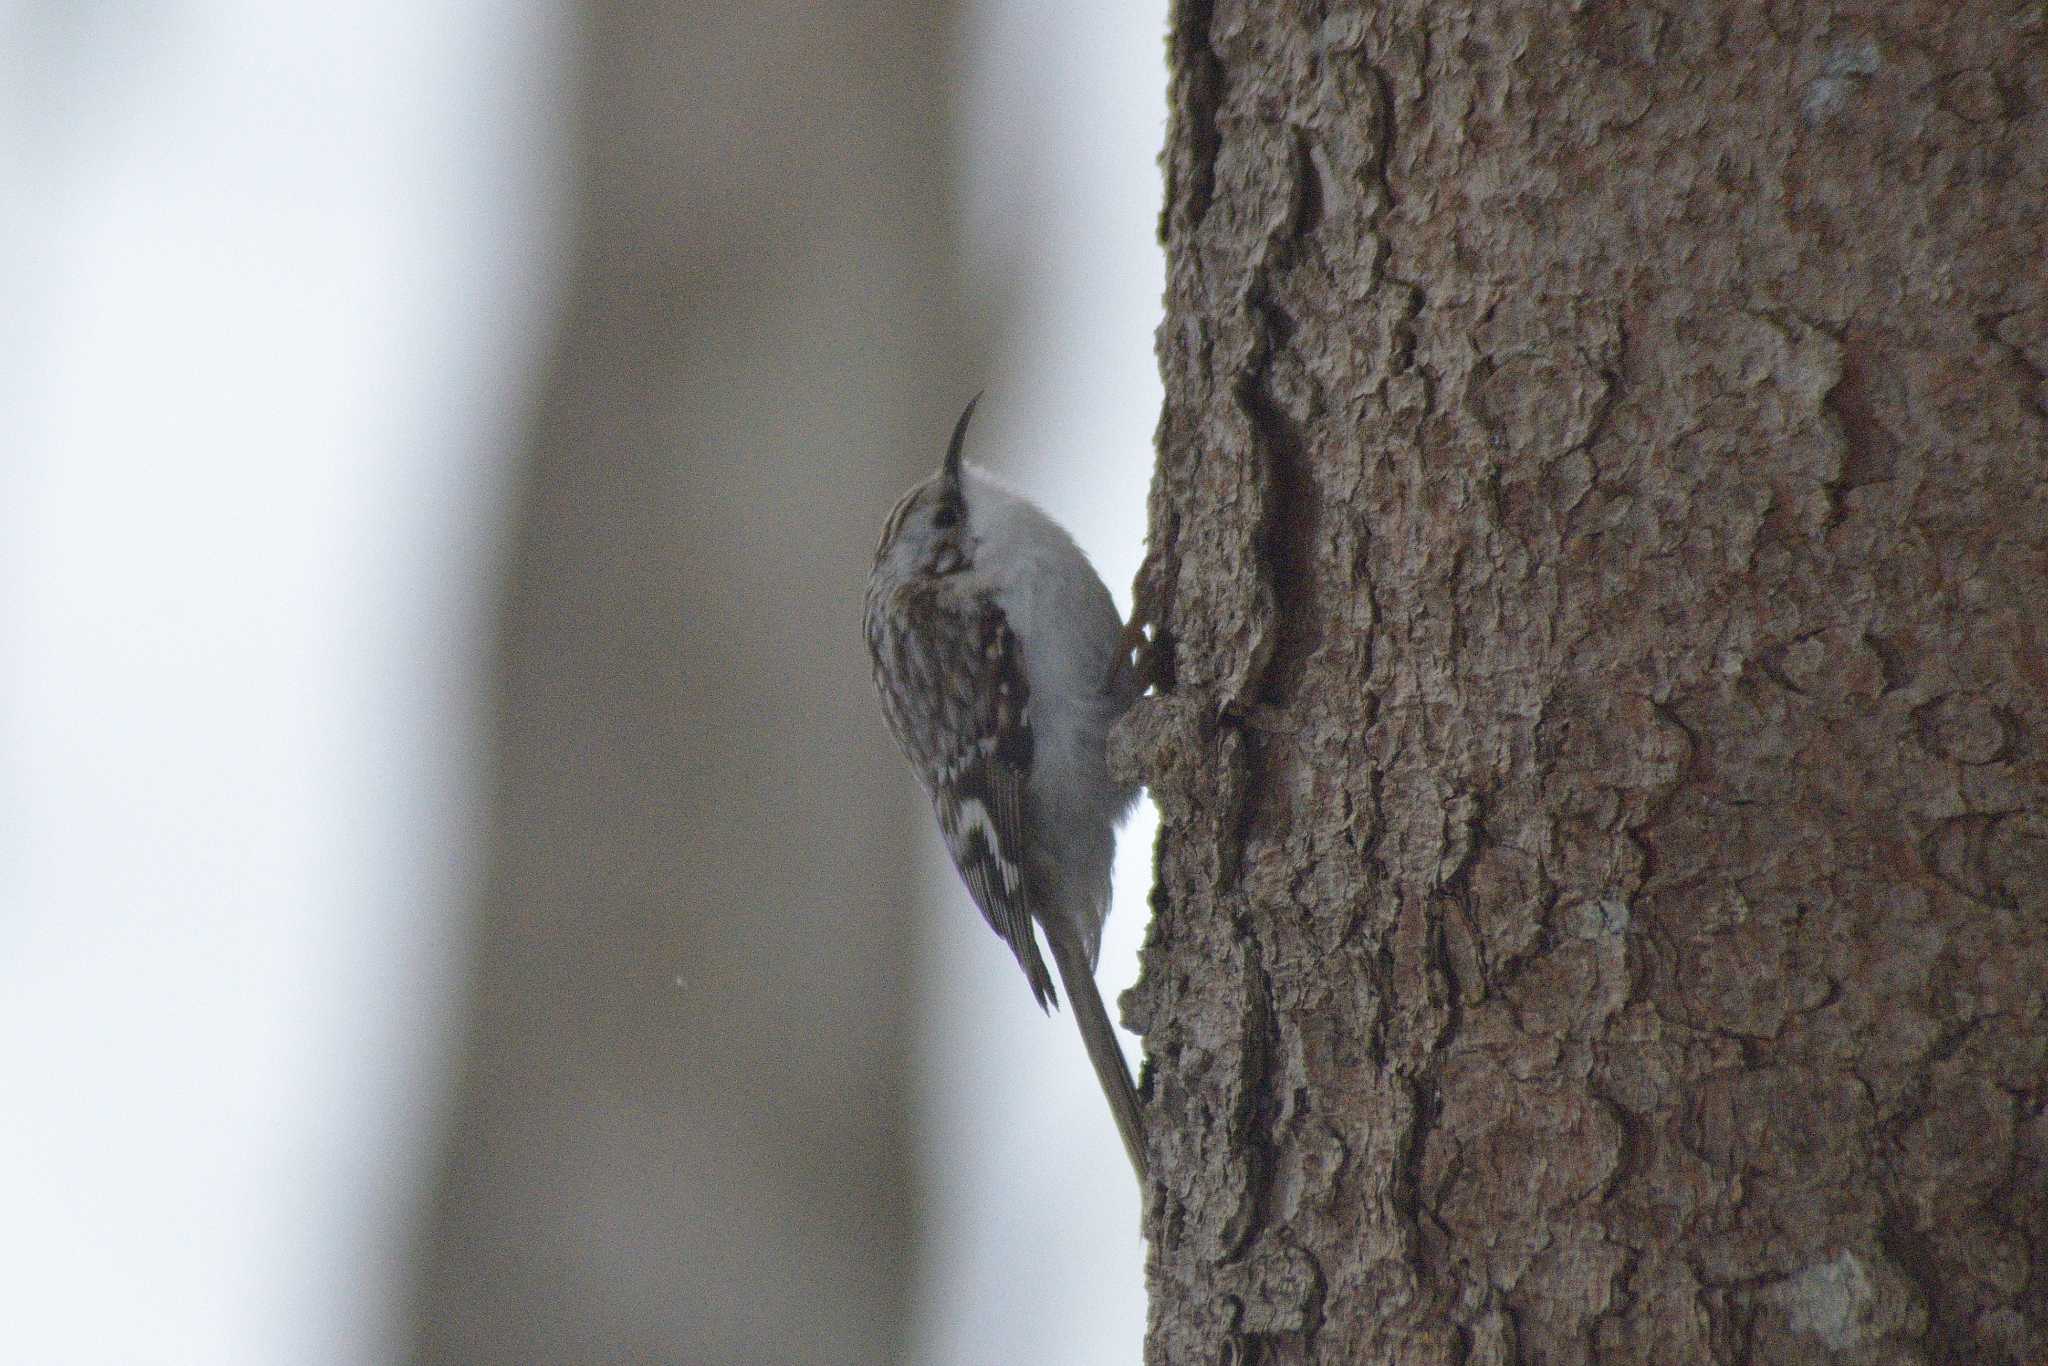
<point x="1077" y="975"/>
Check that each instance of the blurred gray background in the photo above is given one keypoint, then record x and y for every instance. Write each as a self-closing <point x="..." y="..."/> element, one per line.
<point x="458" y="902"/>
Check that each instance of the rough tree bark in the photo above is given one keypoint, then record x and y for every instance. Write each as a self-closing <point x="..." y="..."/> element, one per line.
<point x="1601" y="535"/>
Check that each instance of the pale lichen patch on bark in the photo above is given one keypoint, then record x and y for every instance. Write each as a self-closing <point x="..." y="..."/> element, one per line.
<point x="1846" y="1302"/>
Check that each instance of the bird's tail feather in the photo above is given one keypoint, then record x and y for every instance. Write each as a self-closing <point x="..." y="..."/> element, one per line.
<point x="1077" y="975"/>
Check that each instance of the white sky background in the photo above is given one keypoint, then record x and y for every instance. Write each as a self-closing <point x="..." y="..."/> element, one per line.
<point x="1033" y="1250"/>
<point x="272" y="274"/>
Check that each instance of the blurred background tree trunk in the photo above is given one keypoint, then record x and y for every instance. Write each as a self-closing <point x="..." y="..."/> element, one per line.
<point x="682" y="1127"/>
<point x="1601" y="530"/>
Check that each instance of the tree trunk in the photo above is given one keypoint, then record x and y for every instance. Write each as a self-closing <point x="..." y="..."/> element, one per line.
<point x="1601" y="544"/>
<point x="682" y="1131"/>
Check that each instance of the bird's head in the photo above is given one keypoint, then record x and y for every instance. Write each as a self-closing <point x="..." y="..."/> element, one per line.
<point x="928" y="532"/>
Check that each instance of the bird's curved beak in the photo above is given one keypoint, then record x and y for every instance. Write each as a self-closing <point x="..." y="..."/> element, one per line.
<point x="950" y="471"/>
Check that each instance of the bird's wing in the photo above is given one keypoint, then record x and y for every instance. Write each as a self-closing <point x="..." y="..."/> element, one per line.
<point x="973" y="745"/>
<point x="981" y="804"/>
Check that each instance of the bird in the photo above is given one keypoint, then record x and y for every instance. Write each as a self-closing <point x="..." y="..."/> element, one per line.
<point x="1001" y="663"/>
